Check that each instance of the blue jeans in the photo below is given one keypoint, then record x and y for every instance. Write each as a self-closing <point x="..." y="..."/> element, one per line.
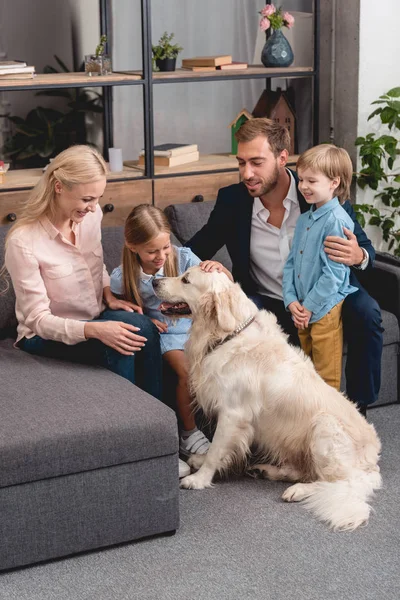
<point x="143" y="368"/>
<point x="363" y="331"/>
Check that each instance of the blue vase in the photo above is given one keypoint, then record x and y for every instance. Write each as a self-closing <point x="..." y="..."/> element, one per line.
<point x="277" y="51"/>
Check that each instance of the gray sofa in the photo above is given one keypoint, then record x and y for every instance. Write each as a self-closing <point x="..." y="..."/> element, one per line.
<point x="382" y="282"/>
<point x="87" y="460"/>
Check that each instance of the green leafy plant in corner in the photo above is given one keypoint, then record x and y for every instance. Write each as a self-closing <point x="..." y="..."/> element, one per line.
<point x="378" y="155"/>
<point x="165" y="49"/>
<point x="47" y="131"/>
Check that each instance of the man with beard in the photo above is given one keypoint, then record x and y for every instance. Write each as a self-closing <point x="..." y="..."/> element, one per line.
<point x="256" y="219"/>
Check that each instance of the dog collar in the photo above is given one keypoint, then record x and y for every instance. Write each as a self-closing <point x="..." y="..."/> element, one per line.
<point x="238" y="329"/>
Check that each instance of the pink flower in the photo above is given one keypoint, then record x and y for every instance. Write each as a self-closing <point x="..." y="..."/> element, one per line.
<point x="264" y="24"/>
<point x="289" y="19"/>
<point x="268" y="10"/>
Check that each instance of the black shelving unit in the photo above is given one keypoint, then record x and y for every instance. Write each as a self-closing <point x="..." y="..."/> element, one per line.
<point x="148" y="81"/>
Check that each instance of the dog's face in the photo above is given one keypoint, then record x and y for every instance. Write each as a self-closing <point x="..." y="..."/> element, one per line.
<point x="183" y="294"/>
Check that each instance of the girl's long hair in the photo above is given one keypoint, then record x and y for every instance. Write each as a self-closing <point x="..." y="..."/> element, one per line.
<point x="77" y="164"/>
<point x="144" y="223"/>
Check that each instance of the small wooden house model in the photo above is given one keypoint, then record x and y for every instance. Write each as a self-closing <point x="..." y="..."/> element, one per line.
<point x="276" y="106"/>
<point x="237" y="122"/>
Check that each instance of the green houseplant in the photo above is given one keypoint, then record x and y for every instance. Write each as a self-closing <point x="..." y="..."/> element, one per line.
<point x="165" y="53"/>
<point x="47" y="131"/>
<point x="379" y="172"/>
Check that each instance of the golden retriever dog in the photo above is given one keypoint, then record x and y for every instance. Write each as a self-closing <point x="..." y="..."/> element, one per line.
<point x="265" y="392"/>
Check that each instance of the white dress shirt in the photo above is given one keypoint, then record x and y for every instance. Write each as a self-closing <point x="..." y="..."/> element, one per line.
<point x="270" y="245"/>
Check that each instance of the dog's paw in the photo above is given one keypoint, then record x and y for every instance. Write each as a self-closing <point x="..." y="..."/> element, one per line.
<point x="194" y="482"/>
<point x="196" y="460"/>
<point x="296" y="492"/>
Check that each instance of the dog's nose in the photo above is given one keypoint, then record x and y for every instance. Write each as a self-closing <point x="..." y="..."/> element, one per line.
<point x="156" y="283"/>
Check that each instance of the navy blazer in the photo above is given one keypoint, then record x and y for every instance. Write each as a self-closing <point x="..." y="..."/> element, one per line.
<point x="230" y="224"/>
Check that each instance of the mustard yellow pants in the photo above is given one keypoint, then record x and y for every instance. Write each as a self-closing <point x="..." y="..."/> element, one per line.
<point x="322" y="341"/>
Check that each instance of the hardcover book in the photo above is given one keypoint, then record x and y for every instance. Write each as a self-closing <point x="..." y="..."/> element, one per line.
<point x="173" y="161"/>
<point x="233" y="65"/>
<point x="169" y="150"/>
<point x="206" y="61"/>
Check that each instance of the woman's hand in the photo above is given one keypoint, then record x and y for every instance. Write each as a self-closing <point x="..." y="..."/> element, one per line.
<point x="117" y="335"/>
<point x="162" y="327"/>
<point x="213" y="265"/>
<point x="116" y="304"/>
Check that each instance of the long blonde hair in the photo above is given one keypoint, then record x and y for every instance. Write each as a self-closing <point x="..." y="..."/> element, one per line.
<point x="77" y="164"/>
<point x="144" y="223"/>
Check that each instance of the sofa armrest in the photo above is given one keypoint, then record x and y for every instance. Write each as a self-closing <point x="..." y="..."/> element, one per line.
<point x="383" y="282"/>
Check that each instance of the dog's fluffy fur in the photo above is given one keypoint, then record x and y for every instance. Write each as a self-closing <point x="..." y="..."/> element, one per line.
<point x="264" y="391"/>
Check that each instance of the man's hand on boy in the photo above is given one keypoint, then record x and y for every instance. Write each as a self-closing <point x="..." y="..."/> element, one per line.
<point x="344" y="251"/>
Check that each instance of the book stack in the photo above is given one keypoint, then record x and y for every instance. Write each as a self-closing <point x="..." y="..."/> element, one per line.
<point x="15" y="69"/>
<point x="212" y="63"/>
<point x="172" y="155"/>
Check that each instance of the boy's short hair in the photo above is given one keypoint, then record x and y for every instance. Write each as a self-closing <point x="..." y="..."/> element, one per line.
<point x="278" y="136"/>
<point x="332" y="162"/>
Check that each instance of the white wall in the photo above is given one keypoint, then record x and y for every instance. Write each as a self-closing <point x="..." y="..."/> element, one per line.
<point x="378" y="72"/>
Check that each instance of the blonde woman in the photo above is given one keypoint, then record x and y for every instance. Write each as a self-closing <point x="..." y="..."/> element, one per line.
<point x="149" y="254"/>
<point x="64" y="305"/>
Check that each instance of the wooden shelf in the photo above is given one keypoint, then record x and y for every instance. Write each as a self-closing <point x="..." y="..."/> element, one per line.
<point x="207" y="162"/>
<point x="253" y="71"/>
<point x="20" y="179"/>
<point x="59" y="80"/>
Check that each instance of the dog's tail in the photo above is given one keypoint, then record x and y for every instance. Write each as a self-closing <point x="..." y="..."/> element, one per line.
<point x="343" y="504"/>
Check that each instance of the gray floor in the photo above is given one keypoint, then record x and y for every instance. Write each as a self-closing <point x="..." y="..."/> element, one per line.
<point x="240" y="541"/>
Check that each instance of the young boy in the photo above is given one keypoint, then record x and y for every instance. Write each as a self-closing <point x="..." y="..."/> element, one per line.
<point x="315" y="286"/>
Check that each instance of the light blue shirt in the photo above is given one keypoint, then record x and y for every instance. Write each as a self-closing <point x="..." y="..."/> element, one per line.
<point x="309" y="276"/>
<point x="178" y="329"/>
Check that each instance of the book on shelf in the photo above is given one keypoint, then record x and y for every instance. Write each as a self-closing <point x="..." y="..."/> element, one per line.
<point x="17" y="76"/>
<point x="10" y="73"/>
<point x="199" y="68"/>
<point x="235" y="64"/>
<point x="169" y="150"/>
<point x="172" y="161"/>
<point x="206" y="61"/>
<point x="11" y="64"/>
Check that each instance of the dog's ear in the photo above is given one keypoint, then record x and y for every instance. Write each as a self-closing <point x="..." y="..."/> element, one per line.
<point x="217" y="308"/>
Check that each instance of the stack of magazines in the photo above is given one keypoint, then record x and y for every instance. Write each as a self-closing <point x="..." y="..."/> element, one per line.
<point x="15" y="69"/>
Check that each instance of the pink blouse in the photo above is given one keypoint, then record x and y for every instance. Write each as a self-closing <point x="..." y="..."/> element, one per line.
<point x="57" y="285"/>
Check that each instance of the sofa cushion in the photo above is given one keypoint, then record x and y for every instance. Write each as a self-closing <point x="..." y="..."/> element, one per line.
<point x="59" y="418"/>
<point x="187" y="219"/>
<point x="8" y="320"/>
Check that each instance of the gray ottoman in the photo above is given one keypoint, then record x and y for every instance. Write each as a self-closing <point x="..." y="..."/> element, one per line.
<point x="86" y="460"/>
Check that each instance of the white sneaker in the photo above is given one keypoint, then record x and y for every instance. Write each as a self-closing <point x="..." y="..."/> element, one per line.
<point x="197" y="443"/>
<point x="184" y="469"/>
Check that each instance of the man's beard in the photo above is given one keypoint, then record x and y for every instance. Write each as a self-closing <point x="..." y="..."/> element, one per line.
<point x="269" y="185"/>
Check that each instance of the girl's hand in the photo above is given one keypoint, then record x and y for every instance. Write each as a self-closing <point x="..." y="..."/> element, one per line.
<point x="213" y="265"/>
<point x="117" y="335"/>
<point x="162" y="327"/>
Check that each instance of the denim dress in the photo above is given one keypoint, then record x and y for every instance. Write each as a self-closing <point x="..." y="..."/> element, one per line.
<point x="177" y="334"/>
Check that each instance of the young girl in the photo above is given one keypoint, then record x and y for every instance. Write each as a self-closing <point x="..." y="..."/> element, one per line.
<point x="148" y="254"/>
<point x="315" y="286"/>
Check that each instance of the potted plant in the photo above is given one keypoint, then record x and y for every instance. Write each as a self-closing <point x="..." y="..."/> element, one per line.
<point x="98" y="63"/>
<point x="380" y="171"/>
<point x="277" y="51"/>
<point x="165" y="53"/>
